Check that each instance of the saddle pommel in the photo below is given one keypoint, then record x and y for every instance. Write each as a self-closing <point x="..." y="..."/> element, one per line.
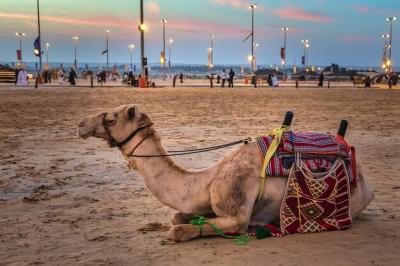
<point x="287" y="121"/>
<point x="343" y="128"/>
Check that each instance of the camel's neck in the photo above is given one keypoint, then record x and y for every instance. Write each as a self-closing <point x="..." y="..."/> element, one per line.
<point x="170" y="184"/>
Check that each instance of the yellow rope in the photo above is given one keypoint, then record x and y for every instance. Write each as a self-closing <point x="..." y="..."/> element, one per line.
<point x="277" y="134"/>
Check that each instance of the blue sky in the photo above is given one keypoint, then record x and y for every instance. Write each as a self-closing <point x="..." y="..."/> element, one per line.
<point x="342" y="31"/>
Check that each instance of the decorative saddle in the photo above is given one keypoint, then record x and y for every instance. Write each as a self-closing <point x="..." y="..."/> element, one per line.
<point x="321" y="169"/>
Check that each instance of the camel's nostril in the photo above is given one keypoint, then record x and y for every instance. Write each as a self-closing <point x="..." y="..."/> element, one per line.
<point x="82" y="124"/>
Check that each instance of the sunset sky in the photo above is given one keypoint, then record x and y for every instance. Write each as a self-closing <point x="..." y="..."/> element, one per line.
<point x="342" y="31"/>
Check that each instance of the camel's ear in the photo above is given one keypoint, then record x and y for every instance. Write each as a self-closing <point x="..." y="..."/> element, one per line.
<point x="131" y="113"/>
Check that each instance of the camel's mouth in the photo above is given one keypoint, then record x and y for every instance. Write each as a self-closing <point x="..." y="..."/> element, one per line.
<point x="84" y="132"/>
<point x="84" y="135"/>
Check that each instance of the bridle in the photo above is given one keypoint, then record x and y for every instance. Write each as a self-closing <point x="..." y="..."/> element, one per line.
<point x="113" y="143"/>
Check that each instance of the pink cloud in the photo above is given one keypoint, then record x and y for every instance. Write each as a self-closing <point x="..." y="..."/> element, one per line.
<point x="355" y="39"/>
<point x="296" y="13"/>
<point x="363" y="9"/>
<point x="111" y="22"/>
<point x="232" y="3"/>
<point x="153" y="8"/>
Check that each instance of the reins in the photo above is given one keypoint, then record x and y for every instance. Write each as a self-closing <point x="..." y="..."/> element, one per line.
<point x="191" y="151"/>
<point x="113" y="143"/>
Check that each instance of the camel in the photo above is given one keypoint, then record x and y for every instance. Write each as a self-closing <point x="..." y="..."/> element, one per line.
<point x="226" y="192"/>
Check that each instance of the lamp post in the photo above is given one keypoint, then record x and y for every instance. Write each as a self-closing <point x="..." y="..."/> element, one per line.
<point x="389" y="61"/>
<point x="75" y="40"/>
<point x="47" y="53"/>
<point x="20" y="35"/>
<point x="256" y="45"/>
<point x="163" y="21"/>
<point x="385" y="52"/>
<point x="285" y="30"/>
<point x="211" y="53"/>
<point x="142" y="28"/>
<point x="252" y="7"/>
<point x="39" y="76"/>
<point x="170" y="42"/>
<point x="306" y="45"/>
<point x="131" y="47"/>
<point x="107" y="47"/>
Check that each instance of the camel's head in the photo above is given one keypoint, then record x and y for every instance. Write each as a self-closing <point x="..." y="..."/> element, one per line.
<point x="115" y="126"/>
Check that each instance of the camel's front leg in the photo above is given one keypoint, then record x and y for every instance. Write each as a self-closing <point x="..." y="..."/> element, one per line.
<point x="185" y="232"/>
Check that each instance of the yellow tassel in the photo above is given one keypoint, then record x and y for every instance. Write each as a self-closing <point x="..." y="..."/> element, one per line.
<point x="277" y="134"/>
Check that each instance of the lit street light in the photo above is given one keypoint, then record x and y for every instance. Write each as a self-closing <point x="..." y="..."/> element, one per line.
<point x="75" y="40"/>
<point x="389" y="61"/>
<point x="107" y="47"/>
<point x="47" y="53"/>
<point x="211" y="53"/>
<point x="131" y="47"/>
<point x="19" y="37"/>
<point x="163" y="21"/>
<point x="256" y="45"/>
<point x="170" y="42"/>
<point x="283" y="53"/>
<point x="252" y="7"/>
<point x="306" y="45"/>
<point x="142" y="28"/>
<point x="385" y="51"/>
<point x="39" y="46"/>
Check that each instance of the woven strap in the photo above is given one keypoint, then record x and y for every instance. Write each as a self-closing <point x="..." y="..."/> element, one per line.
<point x="277" y="134"/>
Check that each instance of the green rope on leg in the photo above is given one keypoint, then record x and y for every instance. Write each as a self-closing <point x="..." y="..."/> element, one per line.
<point x="200" y="221"/>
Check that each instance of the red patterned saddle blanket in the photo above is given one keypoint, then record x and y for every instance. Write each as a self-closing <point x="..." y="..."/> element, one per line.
<point x="320" y="170"/>
<point x="318" y="151"/>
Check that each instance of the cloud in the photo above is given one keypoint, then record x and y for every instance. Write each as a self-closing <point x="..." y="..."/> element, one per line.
<point x="153" y="8"/>
<point x="111" y="22"/>
<point x="232" y="3"/>
<point x="296" y="13"/>
<point x="356" y="39"/>
<point x="363" y="9"/>
<point x="238" y="4"/>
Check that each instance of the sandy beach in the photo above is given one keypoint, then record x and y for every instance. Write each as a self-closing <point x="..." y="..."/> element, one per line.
<point x="66" y="201"/>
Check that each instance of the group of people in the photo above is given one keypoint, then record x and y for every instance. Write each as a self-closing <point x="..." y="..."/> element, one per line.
<point x="223" y="77"/>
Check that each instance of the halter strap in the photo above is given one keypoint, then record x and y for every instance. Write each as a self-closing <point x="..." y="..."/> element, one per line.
<point x="111" y="140"/>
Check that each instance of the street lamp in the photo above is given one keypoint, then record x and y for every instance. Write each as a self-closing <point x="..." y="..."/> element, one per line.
<point x="19" y="37"/>
<point x="390" y="20"/>
<point x="385" y="51"/>
<point x="163" y="21"/>
<point x="107" y="48"/>
<point x="283" y="53"/>
<point x="256" y="45"/>
<point x="211" y="53"/>
<point x="131" y="47"/>
<point x="75" y="40"/>
<point x="47" y="53"/>
<point x="170" y="42"/>
<point x="306" y="45"/>
<point x="252" y="7"/>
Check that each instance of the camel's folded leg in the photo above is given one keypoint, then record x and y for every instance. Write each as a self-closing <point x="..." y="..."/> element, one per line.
<point x="185" y="232"/>
<point x="181" y="218"/>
